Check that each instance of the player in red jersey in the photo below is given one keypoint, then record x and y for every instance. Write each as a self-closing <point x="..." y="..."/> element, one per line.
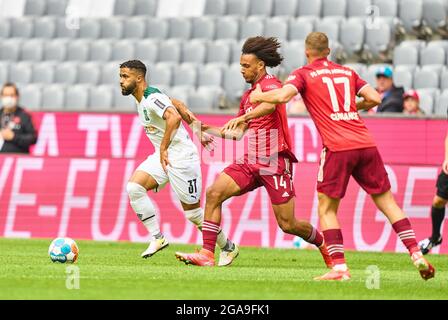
<point x="329" y="91"/>
<point x="268" y="162"/>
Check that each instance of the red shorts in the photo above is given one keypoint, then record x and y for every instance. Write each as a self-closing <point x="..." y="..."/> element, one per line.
<point x="365" y="165"/>
<point x="276" y="178"/>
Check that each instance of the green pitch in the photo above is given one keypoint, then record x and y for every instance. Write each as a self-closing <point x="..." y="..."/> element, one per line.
<point x="116" y="271"/>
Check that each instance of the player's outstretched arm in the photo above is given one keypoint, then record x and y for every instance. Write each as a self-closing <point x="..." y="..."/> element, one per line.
<point x="184" y="112"/>
<point x="371" y="98"/>
<point x="260" y="111"/>
<point x="172" y="119"/>
<point x="276" y="96"/>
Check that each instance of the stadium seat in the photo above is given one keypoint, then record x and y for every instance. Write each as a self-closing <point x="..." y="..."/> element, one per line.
<point x="329" y="26"/>
<point x="159" y="74"/>
<point x="405" y="55"/>
<point x="294" y="55"/>
<point x="56" y="7"/>
<point x="53" y="97"/>
<point x="432" y="55"/>
<point x="439" y="43"/>
<point x="121" y="102"/>
<point x="261" y="8"/>
<point x="237" y="7"/>
<point x="5" y="28"/>
<point x="45" y="28"/>
<point x="403" y="76"/>
<point x="10" y="50"/>
<point x="442" y="104"/>
<point x="180" y="92"/>
<point x="76" y="97"/>
<point x="251" y="27"/>
<point x="110" y="73"/>
<point x="100" y="50"/>
<point x="170" y="51"/>
<point x="31" y="97"/>
<point x="111" y="28"/>
<point x="310" y="8"/>
<point x="124" y="7"/>
<point x="236" y="48"/>
<point x="410" y="13"/>
<point x="100" y="97"/>
<point x="134" y="28"/>
<point x="203" y="28"/>
<point x="180" y="28"/>
<point x="66" y="73"/>
<point x="194" y="51"/>
<point x="359" y="68"/>
<point x="89" y="28"/>
<point x="186" y="74"/>
<point x="32" y="50"/>
<point x="62" y="31"/>
<point x="286" y="8"/>
<point x="386" y="8"/>
<point x="123" y="50"/>
<point x="210" y="75"/>
<point x="351" y="36"/>
<point x="428" y="98"/>
<point x="358" y="8"/>
<point x="145" y="7"/>
<point x="234" y="84"/>
<point x="3" y="72"/>
<point x="444" y="79"/>
<point x="22" y="27"/>
<point x="55" y="50"/>
<point x="157" y="28"/>
<point x="20" y="73"/>
<point x="78" y="50"/>
<point x="435" y="14"/>
<point x="43" y="73"/>
<point x="227" y="28"/>
<point x="418" y="44"/>
<point x="299" y="28"/>
<point x="425" y="78"/>
<point x="89" y="73"/>
<point x="219" y="51"/>
<point x="146" y="50"/>
<point x="276" y="27"/>
<point x="34" y="7"/>
<point x="204" y="99"/>
<point x="215" y="8"/>
<point x="378" y="40"/>
<point x="334" y="8"/>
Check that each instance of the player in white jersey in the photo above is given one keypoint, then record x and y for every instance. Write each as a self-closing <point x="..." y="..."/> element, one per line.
<point x="175" y="160"/>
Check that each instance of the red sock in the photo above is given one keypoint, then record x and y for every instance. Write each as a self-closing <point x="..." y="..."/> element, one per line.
<point x="335" y="245"/>
<point x="404" y="230"/>
<point x="209" y="234"/>
<point x="315" y="238"/>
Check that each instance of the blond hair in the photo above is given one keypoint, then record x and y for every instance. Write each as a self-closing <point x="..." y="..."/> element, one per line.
<point x="317" y="42"/>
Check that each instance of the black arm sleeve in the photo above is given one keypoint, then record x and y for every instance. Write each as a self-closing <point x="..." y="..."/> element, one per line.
<point x="28" y="136"/>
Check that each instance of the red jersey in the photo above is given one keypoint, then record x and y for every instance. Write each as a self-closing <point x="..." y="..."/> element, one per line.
<point x="328" y="91"/>
<point x="268" y="134"/>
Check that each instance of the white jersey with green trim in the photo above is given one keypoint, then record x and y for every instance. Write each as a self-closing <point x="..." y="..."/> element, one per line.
<point x="150" y="111"/>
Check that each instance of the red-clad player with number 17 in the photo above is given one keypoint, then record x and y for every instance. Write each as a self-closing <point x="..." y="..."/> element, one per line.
<point x="328" y="90"/>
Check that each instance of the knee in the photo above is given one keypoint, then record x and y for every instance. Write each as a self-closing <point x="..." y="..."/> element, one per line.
<point x="135" y="190"/>
<point x="213" y="195"/>
<point x="287" y="226"/>
<point x="439" y="202"/>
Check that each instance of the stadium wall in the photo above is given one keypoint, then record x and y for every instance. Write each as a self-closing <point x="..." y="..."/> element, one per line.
<point x="74" y="182"/>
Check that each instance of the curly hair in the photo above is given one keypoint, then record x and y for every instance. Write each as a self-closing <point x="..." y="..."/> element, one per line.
<point x="265" y="49"/>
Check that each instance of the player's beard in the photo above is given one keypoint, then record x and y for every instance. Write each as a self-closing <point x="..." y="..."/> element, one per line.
<point x="129" y="89"/>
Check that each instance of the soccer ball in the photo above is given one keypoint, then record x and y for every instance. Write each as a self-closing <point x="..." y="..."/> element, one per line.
<point x="63" y="250"/>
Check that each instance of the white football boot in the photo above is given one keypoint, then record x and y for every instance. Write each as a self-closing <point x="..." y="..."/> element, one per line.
<point x="154" y="246"/>
<point x="227" y="257"/>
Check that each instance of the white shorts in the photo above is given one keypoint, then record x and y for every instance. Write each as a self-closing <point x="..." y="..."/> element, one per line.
<point x="184" y="175"/>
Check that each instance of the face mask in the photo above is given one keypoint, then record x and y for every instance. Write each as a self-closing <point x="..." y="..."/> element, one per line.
<point x="9" y="102"/>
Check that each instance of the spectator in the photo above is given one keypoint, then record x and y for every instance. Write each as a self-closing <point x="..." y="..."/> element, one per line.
<point x="296" y="106"/>
<point x="411" y="103"/>
<point x="17" y="132"/>
<point x="391" y="96"/>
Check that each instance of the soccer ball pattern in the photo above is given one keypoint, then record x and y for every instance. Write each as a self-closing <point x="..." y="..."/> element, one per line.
<point x="63" y="250"/>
